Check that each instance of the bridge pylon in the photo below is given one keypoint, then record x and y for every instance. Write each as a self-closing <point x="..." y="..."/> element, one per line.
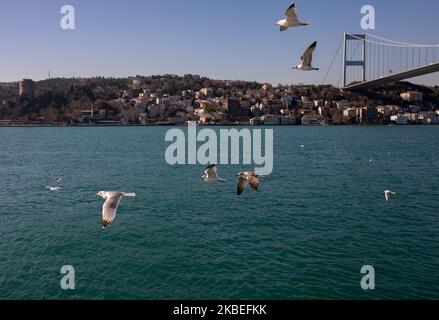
<point x="354" y="63"/>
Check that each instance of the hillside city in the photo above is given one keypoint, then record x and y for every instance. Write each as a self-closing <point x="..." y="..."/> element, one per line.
<point x="175" y="100"/>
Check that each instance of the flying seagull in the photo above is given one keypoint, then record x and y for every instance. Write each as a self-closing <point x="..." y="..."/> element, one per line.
<point x="211" y="174"/>
<point x="248" y="178"/>
<point x="388" y="194"/>
<point x="58" y="180"/>
<point x="53" y="189"/>
<point x="306" y="59"/>
<point x="112" y="200"/>
<point x="291" y="19"/>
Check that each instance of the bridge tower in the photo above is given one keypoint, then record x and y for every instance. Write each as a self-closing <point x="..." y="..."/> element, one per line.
<point x="354" y="63"/>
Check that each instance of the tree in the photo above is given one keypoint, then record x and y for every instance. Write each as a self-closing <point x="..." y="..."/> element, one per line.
<point x="50" y="114"/>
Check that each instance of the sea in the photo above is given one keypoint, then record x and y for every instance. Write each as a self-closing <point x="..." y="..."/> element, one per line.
<point x="318" y="219"/>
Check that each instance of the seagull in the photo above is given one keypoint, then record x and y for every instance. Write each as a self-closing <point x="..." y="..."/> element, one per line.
<point x="248" y="178"/>
<point x="211" y="174"/>
<point x="54" y="189"/>
<point x="110" y="206"/>
<point x="291" y="19"/>
<point x="306" y="59"/>
<point x="58" y="180"/>
<point x="388" y="194"/>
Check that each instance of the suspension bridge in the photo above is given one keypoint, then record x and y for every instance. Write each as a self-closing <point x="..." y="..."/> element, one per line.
<point x="370" y="61"/>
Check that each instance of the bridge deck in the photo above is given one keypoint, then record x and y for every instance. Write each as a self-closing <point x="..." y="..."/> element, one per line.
<point x="431" y="68"/>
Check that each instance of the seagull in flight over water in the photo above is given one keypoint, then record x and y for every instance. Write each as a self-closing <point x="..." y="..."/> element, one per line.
<point x="54" y="189"/>
<point x="248" y="178"/>
<point x="388" y="194"/>
<point x="112" y="200"/>
<point x="291" y="19"/>
<point x="211" y="174"/>
<point x="306" y="59"/>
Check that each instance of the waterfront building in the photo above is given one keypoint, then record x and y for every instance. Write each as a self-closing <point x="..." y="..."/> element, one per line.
<point x="399" y="119"/>
<point x="256" y="121"/>
<point x="177" y="120"/>
<point x="350" y="113"/>
<point x="427" y="117"/>
<point x="343" y="105"/>
<point x="312" y="119"/>
<point x="271" y="120"/>
<point x="367" y="114"/>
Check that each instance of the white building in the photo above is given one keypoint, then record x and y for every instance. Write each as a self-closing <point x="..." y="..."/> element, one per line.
<point x="350" y="113"/>
<point x="399" y="119"/>
<point x="343" y="105"/>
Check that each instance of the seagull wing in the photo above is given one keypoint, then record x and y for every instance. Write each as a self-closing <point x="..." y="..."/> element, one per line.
<point x="291" y="13"/>
<point x="306" y="59"/>
<point x="254" y="182"/>
<point x="242" y="184"/>
<point x="110" y="208"/>
<point x="212" y="172"/>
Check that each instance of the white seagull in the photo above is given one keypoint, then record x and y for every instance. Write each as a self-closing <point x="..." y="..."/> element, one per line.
<point x="54" y="189"/>
<point x="291" y="19"/>
<point x="388" y="194"/>
<point x="211" y="174"/>
<point x="110" y="206"/>
<point x="248" y="178"/>
<point x="306" y="59"/>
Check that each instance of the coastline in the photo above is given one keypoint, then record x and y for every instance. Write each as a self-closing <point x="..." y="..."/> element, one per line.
<point x="48" y="125"/>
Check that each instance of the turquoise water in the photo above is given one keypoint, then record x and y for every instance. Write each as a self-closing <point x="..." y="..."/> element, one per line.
<point x="319" y="218"/>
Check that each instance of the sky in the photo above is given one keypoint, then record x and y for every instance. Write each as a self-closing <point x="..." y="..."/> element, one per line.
<point x="220" y="39"/>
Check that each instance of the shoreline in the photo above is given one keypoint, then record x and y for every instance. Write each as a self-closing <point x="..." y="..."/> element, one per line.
<point x="205" y="125"/>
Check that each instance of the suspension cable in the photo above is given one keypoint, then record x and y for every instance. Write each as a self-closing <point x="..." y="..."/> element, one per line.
<point x="402" y="43"/>
<point x="332" y="62"/>
<point x="408" y="45"/>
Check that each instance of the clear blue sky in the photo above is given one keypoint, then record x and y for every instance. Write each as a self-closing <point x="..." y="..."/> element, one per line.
<point x="223" y="39"/>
